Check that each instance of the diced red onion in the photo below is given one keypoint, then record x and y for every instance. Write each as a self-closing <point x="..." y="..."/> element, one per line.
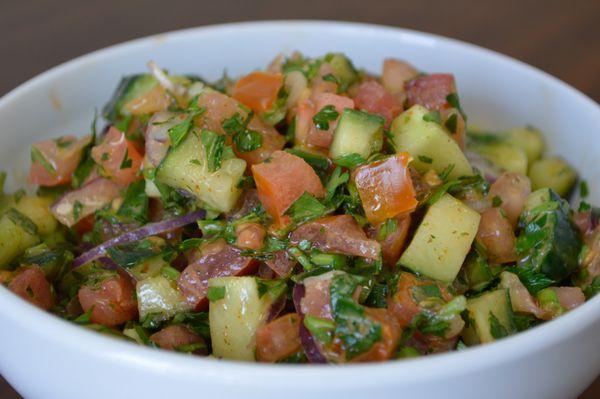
<point x="276" y="308"/>
<point x="308" y="342"/>
<point x="110" y="264"/>
<point x="137" y="234"/>
<point x="164" y="80"/>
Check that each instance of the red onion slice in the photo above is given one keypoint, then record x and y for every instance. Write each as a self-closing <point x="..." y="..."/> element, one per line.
<point x="308" y="342"/>
<point x="151" y="229"/>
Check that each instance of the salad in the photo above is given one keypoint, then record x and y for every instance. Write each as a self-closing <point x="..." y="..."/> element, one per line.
<point x="310" y="212"/>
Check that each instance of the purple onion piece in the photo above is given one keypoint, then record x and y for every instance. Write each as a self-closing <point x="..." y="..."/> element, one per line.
<point x="110" y="264"/>
<point x="150" y="229"/>
<point x="276" y="308"/>
<point x="311" y="350"/>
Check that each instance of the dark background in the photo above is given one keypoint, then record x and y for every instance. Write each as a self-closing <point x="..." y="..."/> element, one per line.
<point x="560" y="37"/>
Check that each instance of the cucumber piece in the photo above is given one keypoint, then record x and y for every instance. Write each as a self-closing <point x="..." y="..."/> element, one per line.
<point x="148" y="268"/>
<point x="186" y="167"/>
<point x="129" y="87"/>
<point x="478" y="273"/>
<point x="508" y="157"/>
<point x="159" y="297"/>
<point x="428" y="143"/>
<point x="235" y="317"/>
<point x="357" y="132"/>
<point x="14" y="238"/>
<point x="343" y="69"/>
<point x="529" y="139"/>
<point x="553" y="173"/>
<point x="548" y="243"/>
<point x="443" y="240"/>
<point x="490" y="318"/>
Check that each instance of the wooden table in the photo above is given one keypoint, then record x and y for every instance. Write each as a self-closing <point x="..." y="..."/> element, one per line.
<point x="560" y="37"/>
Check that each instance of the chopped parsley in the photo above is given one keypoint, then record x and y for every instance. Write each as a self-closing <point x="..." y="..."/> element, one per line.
<point x="37" y="156"/>
<point x="321" y="329"/>
<point x="322" y="118"/>
<point x="215" y="293"/>
<point x="496" y="328"/>
<point x="22" y="220"/>
<point x="77" y="208"/>
<point x="214" y="145"/>
<point x="178" y="132"/>
<point x="584" y="190"/>
<point x="305" y="208"/>
<point x="425" y="159"/>
<point x="496" y="201"/>
<point x="433" y="116"/>
<point x="451" y="123"/>
<point x="454" y="101"/>
<point x="388" y="227"/>
<point x="350" y="161"/>
<point x="127" y="162"/>
<point x="245" y="139"/>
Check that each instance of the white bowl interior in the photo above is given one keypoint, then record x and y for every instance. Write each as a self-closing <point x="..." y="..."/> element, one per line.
<point x="496" y="92"/>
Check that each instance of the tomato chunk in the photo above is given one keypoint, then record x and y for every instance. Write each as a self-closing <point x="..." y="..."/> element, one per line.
<point x="278" y="339"/>
<point x="118" y="157"/>
<point x="337" y="234"/>
<point x="56" y="160"/>
<point x="385" y="188"/>
<point x="392" y="242"/>
<point x="258" y="90"/>
<point x="496" y="234"/>
<point x="431" y="91"/>
<point x="155" y="100"/>
<point x="282" y="180"/>
<point x="385" y="348"/>
<point x="218" y="107"/>
<point x="395" y="74"/>
<point x="217" y="259"/>
<point x="271" y="141"/>
<point x="174" y="337"/>
<point x="323" y="138"/>
<point x="374" y="98"/>
<point x="112" y="302"/>
<point x="250" y="236"/>
<point x="31" y="284"/>
<point x="281" y="263"/>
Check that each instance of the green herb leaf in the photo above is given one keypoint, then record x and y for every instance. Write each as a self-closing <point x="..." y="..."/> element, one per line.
<point x="321" y="329"/>
<point x="388" y="227"/>
<point x="433" y="116"/>
<point x="350" y="161"/>
<point x="215" y="293"/>
<point x="130" y="255"/>
<point x="496" y="328"/>
<point x="327" y="114"/>
<point x="213" y="147"/>
<point x="127" y="162"/>
<point x="496" y="201"/>
<point x="451" y="123"/>
<point x="170" y="273"/>
<point x="136" y="202"/>
<point x="305" y="208"/>
<point x="77" y="208"/>
<point x="22" y="220"/>
<point x="454" y="101"/>
<point x="37" y="156"/>
<point x="337" y="179"/>
<point x="329" y="77"/>
<point x="247" y="141"/>
<point x="319" y="163"/>
<point x="425" y="159"/>
<point x="584" y="191"/>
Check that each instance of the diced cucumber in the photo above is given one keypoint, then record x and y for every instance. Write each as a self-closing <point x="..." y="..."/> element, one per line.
<point x="357" y="132"/>
<point x="428" y="143"/>
<point x="478" y="273"/>
<point x="148" y="268"/>
<point x="186" y="167"/>
<point x="442" y="240"/>
<point x="553" y="173"/>
<point x="159" y="297"/>
<point x="235" y="317"/>
<point x="490" y="318"/>
<point x="547" y="243"/>
<point x="528" y="139"/>
<point x="508" y="157"/>
<point x="129" y="87"/>
<point x="343" y="69"/>
<point x="14" y="238"/>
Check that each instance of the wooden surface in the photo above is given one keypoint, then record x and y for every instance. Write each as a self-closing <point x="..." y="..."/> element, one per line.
<point x="560" y="37"/>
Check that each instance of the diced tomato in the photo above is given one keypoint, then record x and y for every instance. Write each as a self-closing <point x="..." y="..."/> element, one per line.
<point x="385" y="188"/>
<point x="174" y="337"/>
<point x="396" y="73"/>
<point x="403" y="304"/>
<point x="304" y="122"/>
<point x="385" y="348"/>
<point x="569" y="297"/>
<point x="392" y="244"/>
<point x="154" y="100"/>
<point x="337" y="234"/>
<point x="282" y="180"/>
<point x="118" y="157"/>
<point x="30" y="284"/>
<point x="258" y="90"/>
<point x="84" y="225"/>
<point x="317" y="299"/>
<point x="373" y="97"/>
<point x="60" y="158"/>
<point x="319" y="85"/>
<point x="278" y="339"/>
<point x="323" y="138"/>
<point x="496" y="234"/>
<point x="281" y="263"/>
<point x="218" y="107"/>
<point x="112" y="302"/>
<point x="431" y="91"/>
<point x="250" y="236"/>
<point x="217" y="259"/>
<point x="271" y="141"/>
<point x="513" y="190"/>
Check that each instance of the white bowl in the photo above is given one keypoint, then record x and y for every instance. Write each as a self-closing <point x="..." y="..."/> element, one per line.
<point x="45" y="357"/>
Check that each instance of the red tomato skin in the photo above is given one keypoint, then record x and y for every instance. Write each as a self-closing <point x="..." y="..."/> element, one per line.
<point x="110" y="155"/>
<point x="30" y="284"/>
<point x="64" y="161"/>
<point x="373" y="98"/>
<point x="171" y="337"/>
<point x="113" y="302"/>
<point x="278" y="339"/>
<point x="431" y="91"/>
<point x="385" y="188"/>
<point x="393" y="244"/>
<point x="258" y="90"/>
<point x="282" y="180"/>
<point x="323" y="138"/>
